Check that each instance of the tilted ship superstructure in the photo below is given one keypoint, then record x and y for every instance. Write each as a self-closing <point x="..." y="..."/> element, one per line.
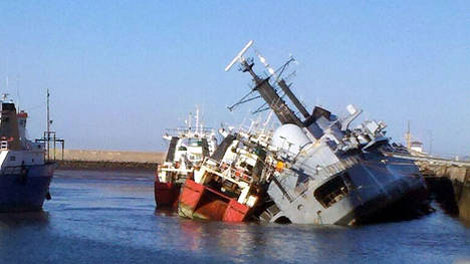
<point x="331" y="173"/>
<point x="188" y="146"/>
<point x="25" y="175"/>
<point x="231" y="184"/>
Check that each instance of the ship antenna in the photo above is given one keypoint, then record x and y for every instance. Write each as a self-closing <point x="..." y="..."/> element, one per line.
<point x="265" y="90"/>
<point x="282" y="83"/>
<point x="48" y="124"/>
<point x="18" y="91"/>
<point x="266" y="64"/>
<point x="4" y="96"/>
<point x="239" y="56"/>
<point x="268" y="120"/>
<point x="197" y="119"/>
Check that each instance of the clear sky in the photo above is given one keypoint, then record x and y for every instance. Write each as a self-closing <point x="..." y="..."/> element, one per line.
<point x="121" y="71"/>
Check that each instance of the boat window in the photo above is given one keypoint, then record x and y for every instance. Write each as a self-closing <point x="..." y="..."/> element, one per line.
<point x="182" y="148"/>
<point x="8" y="106"/>
<point x="195" y="142"/>
<point x="332" y="191"/>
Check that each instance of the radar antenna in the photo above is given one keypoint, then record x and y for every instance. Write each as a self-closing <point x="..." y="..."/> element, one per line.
<point x="239" y="56"/>
<point x="264" y="88"/>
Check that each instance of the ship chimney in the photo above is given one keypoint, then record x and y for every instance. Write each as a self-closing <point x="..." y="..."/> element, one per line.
<point x="9" y="131"/>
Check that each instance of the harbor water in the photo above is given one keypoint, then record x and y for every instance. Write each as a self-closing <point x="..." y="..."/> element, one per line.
<point x="109" y="217"/>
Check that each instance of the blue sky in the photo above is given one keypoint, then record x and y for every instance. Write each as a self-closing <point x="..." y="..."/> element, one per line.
<point x="121" y="71"/>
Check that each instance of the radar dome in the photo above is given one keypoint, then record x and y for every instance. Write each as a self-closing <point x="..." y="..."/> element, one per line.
<point x="290" y="138"/>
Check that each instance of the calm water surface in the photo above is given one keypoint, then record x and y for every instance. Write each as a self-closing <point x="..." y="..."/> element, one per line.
<point x="109" y="217"/>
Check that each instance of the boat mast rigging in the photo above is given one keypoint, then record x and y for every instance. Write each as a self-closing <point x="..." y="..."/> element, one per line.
<point x="267" y="91"/>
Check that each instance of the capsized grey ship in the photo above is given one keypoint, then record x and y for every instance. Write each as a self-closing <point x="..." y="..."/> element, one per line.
<point x="25" y="175"/>
<point x="333" y="174"/>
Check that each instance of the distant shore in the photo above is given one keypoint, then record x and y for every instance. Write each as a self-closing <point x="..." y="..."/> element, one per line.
<point x="104" y="165"/>
<point x="104" y="159"/>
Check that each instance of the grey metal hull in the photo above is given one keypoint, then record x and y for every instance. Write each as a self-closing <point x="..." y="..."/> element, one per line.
<point x="372" y="185"/>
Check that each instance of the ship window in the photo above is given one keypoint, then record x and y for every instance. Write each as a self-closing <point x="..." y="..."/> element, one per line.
<point x="332" y="191"/>
<point x="12" y="158"/>
<point x="8" y="106"/>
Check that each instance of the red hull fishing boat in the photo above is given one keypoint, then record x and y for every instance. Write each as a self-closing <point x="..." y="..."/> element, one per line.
<point x="230" y="185"/>
<point x="187" y="148"/>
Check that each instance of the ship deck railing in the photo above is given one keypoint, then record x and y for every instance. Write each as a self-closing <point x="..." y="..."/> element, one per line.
<point x="176" y="170"/>
<point x="229" y="173"/>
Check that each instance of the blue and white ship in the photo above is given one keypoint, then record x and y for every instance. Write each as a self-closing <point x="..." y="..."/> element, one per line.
<point x="24" y="173"/>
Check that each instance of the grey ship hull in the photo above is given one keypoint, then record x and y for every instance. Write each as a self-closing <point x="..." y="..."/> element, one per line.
<point x="335" y="174"/>
<point x="362" y="191"/>
<point x="24" y="189"/>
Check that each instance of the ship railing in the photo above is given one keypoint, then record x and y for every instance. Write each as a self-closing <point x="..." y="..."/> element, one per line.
<point x="176" y="170"/>
<point x="228" y="172"/>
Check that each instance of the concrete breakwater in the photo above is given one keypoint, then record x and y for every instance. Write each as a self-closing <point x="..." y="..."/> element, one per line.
<point x="83" y="159"/>
<point x="451" y="185"/>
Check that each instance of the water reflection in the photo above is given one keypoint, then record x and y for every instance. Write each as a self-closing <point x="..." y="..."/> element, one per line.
<point x="93" y="219"/>
<point x="244" y="241"/>
<point x="12" y="220"/>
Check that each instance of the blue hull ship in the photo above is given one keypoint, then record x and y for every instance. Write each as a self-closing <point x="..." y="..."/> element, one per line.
<point x="24" y="174"/>
<point x="26" y="189"/>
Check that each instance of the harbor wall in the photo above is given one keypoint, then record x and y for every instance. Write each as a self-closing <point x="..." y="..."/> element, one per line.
<point x="110" y="156"/>
<point x="451" y="184"/>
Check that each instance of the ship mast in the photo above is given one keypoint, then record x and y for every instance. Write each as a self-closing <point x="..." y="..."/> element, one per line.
<point x="197" y="119"/>
<point x="266" y="91"/>
<point x="282" y="83"/>
<point x="48" y="128"/>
